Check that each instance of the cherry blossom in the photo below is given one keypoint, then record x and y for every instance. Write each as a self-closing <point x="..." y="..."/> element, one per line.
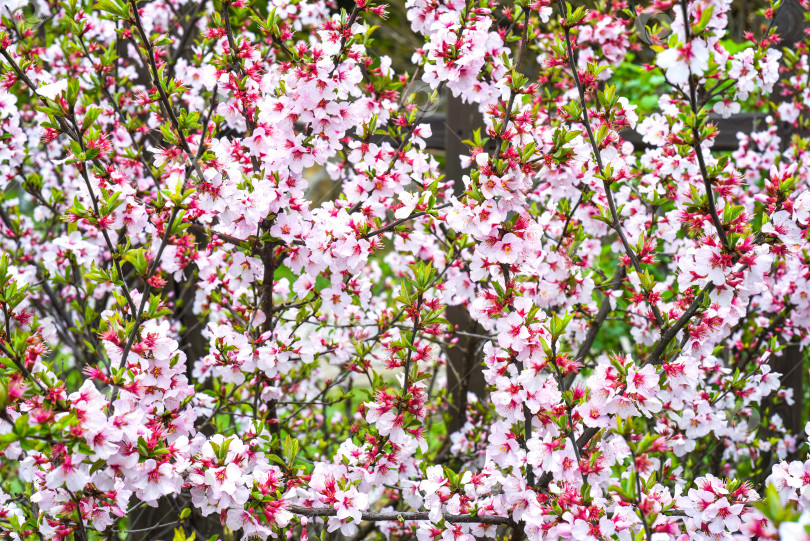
<point x="243" y="291"/>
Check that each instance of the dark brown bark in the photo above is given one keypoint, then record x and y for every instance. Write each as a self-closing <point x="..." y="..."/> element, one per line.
<point x="464" y="370"/>
<point x="790" y="365"/>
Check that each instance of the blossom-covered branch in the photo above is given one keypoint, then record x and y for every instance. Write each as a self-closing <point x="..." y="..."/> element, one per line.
<point x="230" y="245"/>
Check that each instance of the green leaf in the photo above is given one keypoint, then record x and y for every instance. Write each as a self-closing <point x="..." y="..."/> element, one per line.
<point x="290" y="450"/>
<point x="21" y="425"/>
<point x="180" y="533"/>
<point x="111" y="6"/>
<point x="705" y="17"/>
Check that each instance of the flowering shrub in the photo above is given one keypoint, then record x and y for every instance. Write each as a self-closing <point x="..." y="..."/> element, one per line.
<point x="186" y="327"/>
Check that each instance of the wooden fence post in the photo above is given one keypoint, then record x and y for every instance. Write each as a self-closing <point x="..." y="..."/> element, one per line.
<point x="790" y="23"/>
<point x="464" y="370"/>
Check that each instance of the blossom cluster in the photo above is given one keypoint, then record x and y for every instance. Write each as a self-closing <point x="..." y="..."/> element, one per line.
<point x="242" y="293"/>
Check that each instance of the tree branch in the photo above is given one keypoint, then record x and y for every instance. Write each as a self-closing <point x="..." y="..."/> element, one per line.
<point x="398" y="516"/>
